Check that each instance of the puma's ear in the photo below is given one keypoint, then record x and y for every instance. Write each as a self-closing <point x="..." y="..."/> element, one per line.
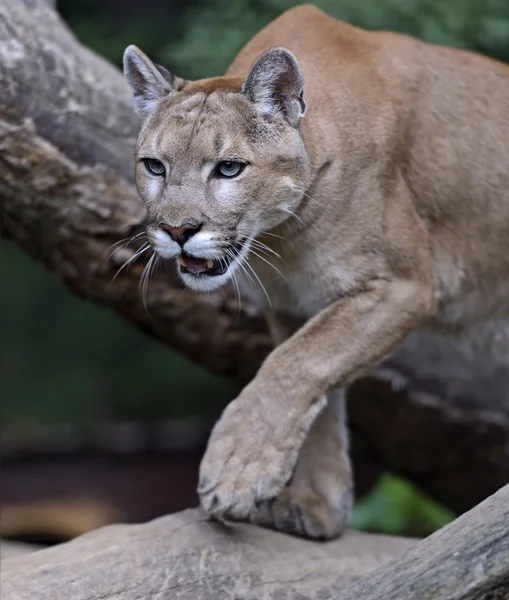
<point x="275" y="84"/>
<point x="149" y="82"/>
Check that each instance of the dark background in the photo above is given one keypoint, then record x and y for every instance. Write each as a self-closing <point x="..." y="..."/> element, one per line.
<point x="66" y="361"/>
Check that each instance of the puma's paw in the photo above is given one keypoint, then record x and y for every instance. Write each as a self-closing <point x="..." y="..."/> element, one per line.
<point x="306" y="514"/>
<point x="248" y="460"/>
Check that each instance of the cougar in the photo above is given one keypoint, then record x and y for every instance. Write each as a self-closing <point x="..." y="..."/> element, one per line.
<point x="355" y="185"/>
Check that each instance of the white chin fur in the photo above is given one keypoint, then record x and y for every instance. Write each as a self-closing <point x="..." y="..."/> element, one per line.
<point x="205" y="283"/>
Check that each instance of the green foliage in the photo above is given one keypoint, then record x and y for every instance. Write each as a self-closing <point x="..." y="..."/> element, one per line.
<point x="215" y="32"/>
<point x="395" y="507"/>
<point x="203" y="40"/>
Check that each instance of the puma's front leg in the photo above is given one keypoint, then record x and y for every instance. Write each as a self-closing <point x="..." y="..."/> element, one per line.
<point x="254" y="447"/>
<point x="317" y="501"/>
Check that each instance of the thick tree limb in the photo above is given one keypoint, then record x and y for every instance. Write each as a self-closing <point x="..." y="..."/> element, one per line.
<point x="467" y="560"/>
<point x="16" y="549"/>
<point x="66" y="160"/>
<point x="184" y="557"/>
<point x="66" y="186"/>
<point x="458" y="455"/>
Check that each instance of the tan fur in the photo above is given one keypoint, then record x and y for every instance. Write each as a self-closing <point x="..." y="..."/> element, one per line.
<point x="214" y="84"/>
<point x="384" y="208"/>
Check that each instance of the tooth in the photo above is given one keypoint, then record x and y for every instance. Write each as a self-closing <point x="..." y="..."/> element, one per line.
<point x="210" y="263"/>
<point x="181" y="260"/>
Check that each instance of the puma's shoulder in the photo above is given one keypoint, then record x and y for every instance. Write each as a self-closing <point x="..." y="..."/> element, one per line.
<point x="310" y="34"/>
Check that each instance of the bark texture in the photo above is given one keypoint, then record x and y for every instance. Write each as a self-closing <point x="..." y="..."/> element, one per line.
<point x="184" y="557"/>
<point x="467" y="560"/>
<point x="67" y="132"/>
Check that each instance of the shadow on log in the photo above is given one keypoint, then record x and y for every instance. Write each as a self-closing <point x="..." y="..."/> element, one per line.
<point x="184" y="557"/>
<point x="66" y="186"/>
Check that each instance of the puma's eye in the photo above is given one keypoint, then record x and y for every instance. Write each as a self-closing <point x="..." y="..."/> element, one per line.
<point x="154" y="166"/>
<point x="230" y="168"/>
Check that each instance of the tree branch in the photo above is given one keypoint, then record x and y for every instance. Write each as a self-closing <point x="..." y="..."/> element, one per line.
<point x="467" y="560"/>
<point x="66" y="181"/>
<point x="184" y="557"/>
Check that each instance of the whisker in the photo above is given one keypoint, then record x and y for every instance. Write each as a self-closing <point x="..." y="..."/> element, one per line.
<point x="262" y="246"/>
<point x="144" y="280"/>
<point x="243" y="263"/>
<point x="125" y="242"/>
<point x="128" y="262"/>
<point x="152" y="271"/>
<point x="274" y="235"/>
<point x="122" y="241"/>
<point x="304" y="193"/>
<point x="288" y="211"/>
<point x="124" y="226"/>
<point x="260" y="282"/>
<point x="268" y="262"/>
<point x="240" y="262"/>
<point x="237" y="289"/>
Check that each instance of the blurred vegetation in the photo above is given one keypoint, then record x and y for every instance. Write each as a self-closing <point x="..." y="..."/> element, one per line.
<point x="395" y="507"/>
<point x="223" y="26"/>
<point x="66" y="360"/>
<point x="201" y="39"/>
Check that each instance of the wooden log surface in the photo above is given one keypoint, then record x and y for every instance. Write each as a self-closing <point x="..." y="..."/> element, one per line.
<point x="185" y="557"/>
<point x="466" y="560"/>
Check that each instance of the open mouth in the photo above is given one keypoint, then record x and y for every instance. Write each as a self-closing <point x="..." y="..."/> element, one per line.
<point x="208" y="266"/>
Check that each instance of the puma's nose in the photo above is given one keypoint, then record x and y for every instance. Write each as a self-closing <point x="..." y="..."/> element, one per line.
<point x="180" y="234"/>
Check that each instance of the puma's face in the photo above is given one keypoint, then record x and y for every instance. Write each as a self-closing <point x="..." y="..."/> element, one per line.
<point x="215" y="168"/>
<point x="214" y="174"/>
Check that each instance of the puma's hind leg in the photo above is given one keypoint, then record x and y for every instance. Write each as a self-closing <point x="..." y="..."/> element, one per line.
<point x="317" y="501"/>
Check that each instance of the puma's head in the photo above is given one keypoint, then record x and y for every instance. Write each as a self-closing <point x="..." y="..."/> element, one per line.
<point x="218" y="161"/>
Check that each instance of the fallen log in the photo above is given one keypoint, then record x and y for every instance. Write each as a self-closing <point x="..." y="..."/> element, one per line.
<point x="67" y="196"/>
<point x="67" y="134"/>
<point x="185" y="557"/>
<point x="466" y="560"/>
